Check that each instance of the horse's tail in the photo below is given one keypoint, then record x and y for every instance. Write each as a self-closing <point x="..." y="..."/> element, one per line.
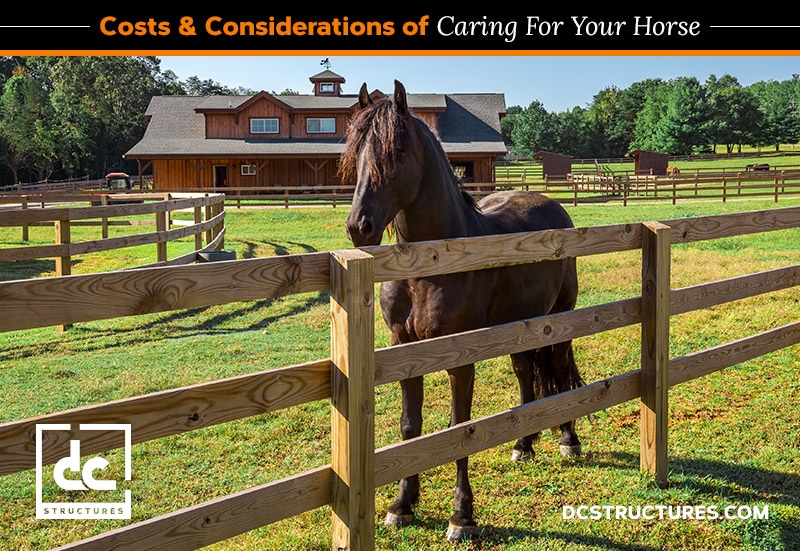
<point x="555" y="370"/>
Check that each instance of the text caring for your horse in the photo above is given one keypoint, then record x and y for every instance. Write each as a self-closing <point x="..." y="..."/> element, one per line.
<point x="449" y="26"/>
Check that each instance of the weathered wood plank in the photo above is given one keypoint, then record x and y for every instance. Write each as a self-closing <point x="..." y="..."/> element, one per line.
<point x="705" y="295"/>
<point x="705" y="362"/>
<point x="701" y="228"/>
<point x="422" y="357"/>
<point x="59" y="300"/>
<point x="220" y="519"/>
<point x="406" y="458"/>
<point x="168" y="412"/>
<point x="427" y="258"/>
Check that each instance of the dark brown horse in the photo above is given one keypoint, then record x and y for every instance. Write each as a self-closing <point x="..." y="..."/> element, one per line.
<point x="404" y="179"/>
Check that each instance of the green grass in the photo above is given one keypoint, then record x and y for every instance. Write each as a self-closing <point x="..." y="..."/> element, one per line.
<point x="733" y="435"/>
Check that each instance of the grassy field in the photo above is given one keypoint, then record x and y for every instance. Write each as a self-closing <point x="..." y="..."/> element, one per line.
<point x="733" y="435"/>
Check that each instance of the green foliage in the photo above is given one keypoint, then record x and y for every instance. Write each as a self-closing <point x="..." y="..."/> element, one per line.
<point x="678" y="116"/>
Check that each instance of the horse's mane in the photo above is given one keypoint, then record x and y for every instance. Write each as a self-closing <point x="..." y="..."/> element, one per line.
<point x="381" y="120"/>
<point x="389" y="128"/>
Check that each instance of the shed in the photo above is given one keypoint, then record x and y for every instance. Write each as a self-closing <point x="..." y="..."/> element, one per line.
<point x="554" y="165"/>
<point x="649" y="162"/>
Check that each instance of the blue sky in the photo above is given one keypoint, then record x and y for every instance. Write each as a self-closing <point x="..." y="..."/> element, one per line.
<point x="558" y="82"/>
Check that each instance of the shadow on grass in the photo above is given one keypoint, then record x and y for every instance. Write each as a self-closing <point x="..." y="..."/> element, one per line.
<point x="712" y="481"/>
<point x="182" y="323"/>
<point x="281" y="249"/>
<point x="25" y="269"/>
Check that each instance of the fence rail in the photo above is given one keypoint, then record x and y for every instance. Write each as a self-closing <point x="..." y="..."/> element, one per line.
<point x="65" y="212"/>
<point x="348" y="376"/>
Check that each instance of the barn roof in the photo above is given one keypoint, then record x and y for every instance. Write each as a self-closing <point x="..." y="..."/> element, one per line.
<point x="467" y="123"/>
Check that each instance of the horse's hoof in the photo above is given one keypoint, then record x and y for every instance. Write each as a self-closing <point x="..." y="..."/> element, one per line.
<point x="568" y="451"/>
<point x="457" y="534"/>
<point x="519" y="455"/>
<point x="393" y="520"/>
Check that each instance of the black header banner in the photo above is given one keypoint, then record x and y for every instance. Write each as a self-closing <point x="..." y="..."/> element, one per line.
<point x="425" y="32"/>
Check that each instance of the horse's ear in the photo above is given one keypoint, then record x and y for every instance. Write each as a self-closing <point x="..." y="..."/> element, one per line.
<point x="400" y="99"/>
<point x="363" y="96"/>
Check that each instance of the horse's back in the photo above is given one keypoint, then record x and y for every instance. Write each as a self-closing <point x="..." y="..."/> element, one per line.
<point x="519" y="211"/>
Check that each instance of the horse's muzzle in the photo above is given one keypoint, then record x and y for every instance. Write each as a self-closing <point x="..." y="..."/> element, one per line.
<point x="363" y="231"/>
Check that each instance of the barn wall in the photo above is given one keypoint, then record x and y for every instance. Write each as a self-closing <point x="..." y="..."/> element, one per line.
<point x="171" y="174"/>
<point x="226" y="125"/>
<point x="299" y="124"/>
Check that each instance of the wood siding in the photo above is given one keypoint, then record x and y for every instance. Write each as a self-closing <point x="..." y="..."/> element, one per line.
<point x="177" y="174"/>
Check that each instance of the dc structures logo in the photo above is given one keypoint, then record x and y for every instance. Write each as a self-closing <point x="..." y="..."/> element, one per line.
<point x="84" y="478"/>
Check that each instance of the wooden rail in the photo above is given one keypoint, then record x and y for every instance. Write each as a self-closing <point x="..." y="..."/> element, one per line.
<point x="209" y="220"/>
<point x="577" y="188"/>
<point x="347" y="377"/>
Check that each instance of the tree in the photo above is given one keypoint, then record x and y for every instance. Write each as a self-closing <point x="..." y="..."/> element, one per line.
<point x="100" y="102"/>
<point x="507" y="124"/>
<point x="779" y="103"/>
<point x="25" y="127"/>
<point x="630" y="103"/>
<point x="533" y="130"/>
<point x="734" y="117"/>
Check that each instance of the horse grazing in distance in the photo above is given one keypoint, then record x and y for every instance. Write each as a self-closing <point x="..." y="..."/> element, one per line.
<point x="405" y="183"/>
<point x="673" y="171"/>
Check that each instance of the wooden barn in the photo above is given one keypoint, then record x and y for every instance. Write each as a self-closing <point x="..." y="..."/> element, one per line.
<point x="554" y="165"/>
<point x="266" y="140"/>
<point x="649" y="162"/>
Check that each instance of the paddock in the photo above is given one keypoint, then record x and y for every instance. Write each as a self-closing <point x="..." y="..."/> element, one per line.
<point x="355" y="366"/>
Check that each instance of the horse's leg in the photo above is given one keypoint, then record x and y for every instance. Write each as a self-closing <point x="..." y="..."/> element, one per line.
<point x="462" y="524"/>
<point x="401" y="512"/>
<point x="523" y="364"/>
<point x="567" y="378"/>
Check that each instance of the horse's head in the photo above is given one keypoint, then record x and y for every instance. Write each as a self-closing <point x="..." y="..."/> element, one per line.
<point x="384" y="153"/>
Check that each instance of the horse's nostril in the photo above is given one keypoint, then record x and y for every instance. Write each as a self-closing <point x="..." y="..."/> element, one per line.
<point x="366" y="227"/>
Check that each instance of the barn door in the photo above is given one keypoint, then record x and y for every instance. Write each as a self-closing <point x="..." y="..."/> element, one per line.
<point x="220" y="175"/>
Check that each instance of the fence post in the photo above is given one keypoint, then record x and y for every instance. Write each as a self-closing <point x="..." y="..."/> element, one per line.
<point x="654" y="410"/>
<point x="104" y="219"/>
<point x="352" y="401"/>
<point x="161" y="228"/>
<point x="209" y="231"/>
<point x="24" y="206"/>
<point x="198" y="219"/>
<point x="63" y="263"/>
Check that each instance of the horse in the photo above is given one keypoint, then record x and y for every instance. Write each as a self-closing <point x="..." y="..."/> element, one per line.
<point x="673" y="171"/>
<point x="756" y="166"/>
<point x="406" y="186"/>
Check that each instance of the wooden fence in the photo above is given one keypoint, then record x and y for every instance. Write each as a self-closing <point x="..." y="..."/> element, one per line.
<point x="578" y="188"/>
<point x="209" y="221"/>
<point x="347" y="378"/>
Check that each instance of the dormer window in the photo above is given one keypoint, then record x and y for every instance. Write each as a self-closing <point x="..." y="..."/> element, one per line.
<point x="264" y="126"/>
<point x="326" y="87"/>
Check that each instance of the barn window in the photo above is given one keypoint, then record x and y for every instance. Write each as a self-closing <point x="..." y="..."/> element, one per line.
<point x="316" y="126"/>
<point x="326" y="87"/>
<point x="264" y="126"/>
<point x="248" y="170"/>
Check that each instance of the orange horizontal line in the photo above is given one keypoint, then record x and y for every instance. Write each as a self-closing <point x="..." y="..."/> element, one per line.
<point x="367" y="53"/>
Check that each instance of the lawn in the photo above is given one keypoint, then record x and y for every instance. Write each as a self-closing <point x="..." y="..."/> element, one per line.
<point x="733" y="435"/>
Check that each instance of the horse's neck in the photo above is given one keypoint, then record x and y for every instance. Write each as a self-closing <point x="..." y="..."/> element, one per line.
<point x="439" y="210"/>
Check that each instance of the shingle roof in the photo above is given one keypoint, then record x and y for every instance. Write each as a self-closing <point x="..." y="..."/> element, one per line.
<point x="468" y="123"/>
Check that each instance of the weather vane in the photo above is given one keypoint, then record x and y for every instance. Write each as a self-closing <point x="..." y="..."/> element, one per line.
<point x="326" y="62"/>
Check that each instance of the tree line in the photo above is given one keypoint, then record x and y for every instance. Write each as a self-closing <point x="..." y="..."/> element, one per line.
<point x="678" y="117"/>
<point x="74" y="117"/>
